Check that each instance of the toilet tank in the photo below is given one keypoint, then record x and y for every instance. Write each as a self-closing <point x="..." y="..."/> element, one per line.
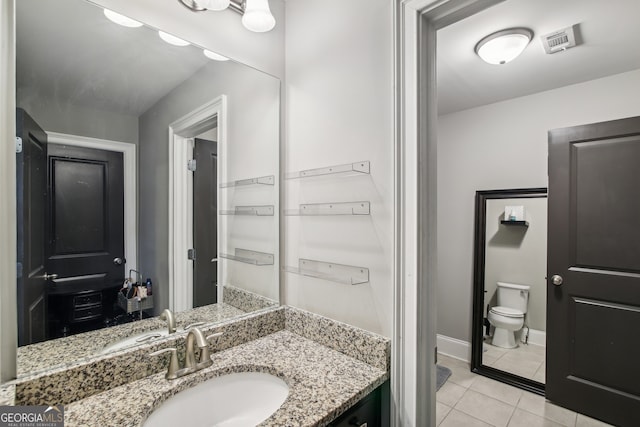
<point x="513" y="296"/>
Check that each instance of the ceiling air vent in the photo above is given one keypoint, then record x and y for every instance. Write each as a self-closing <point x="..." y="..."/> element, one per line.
<point x="560" y="40"/>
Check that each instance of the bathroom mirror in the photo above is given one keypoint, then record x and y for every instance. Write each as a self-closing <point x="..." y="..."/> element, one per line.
<point x="509" y="303"/>
<point x="123" y="112"/>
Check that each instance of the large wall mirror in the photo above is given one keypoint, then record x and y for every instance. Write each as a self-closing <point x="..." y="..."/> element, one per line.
<point x="509" y="312"/>
<point x="143" y="157"/>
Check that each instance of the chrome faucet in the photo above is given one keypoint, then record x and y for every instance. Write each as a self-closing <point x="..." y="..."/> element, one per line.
<point x="170" y="318"/>
<point x="194" y="338"/>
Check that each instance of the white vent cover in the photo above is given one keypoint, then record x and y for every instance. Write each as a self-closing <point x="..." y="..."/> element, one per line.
<point x="559" y="40"/>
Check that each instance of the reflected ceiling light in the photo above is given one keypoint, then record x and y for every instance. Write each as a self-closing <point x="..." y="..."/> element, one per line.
<point x="172" y="39"/>
<point x="256" y="15"/>
<point x="214" y="56"/>
<point x="121" y="19"/>
<point x="503" y="46"/>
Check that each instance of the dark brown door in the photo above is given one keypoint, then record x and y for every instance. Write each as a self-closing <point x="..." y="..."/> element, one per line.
<point x="593" y="295"/>
<point x="205" y="226"/>
<point x="86" y="219"/>
<point x="31" y="196"/>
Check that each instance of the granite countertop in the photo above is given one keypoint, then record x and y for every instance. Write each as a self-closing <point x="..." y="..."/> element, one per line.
<point x="322" y="382"/>
<point x="68" y="351"/>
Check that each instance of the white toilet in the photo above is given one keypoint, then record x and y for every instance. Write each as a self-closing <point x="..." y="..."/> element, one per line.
<point x="508" y="316"/>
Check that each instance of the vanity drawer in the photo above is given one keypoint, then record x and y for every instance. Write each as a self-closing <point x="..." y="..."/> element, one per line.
<point x="86" y="313"/>
<point x="94" y="298"/>
<point x="369" y="412"/>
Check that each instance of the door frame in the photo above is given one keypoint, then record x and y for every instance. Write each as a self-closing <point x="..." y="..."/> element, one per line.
<point x="414" y="333"/>
<point x="181" y="133"/>
<point x="130" y="175"/>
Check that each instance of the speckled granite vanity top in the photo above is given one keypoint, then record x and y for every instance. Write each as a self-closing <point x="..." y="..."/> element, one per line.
<point x="322" y="382"/>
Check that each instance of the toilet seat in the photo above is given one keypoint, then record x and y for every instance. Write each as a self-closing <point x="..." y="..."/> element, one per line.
<point x="507" y="312"/>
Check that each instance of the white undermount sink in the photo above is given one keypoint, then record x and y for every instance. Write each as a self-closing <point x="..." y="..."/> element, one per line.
<point x="235" y="400"/>
<point x="136" y="339"/>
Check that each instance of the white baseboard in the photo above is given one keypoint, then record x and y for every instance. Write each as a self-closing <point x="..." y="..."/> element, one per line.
<point x="537" y="337"/>
<point x="454" y="347"/>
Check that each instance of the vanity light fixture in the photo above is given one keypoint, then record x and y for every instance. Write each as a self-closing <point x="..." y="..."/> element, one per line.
<point x="125" y="21"/>
<point x="503" y="46"/>
<point x="171" y="39"/>
<point x="256" y="15"/>
<point x="214" y="56"/>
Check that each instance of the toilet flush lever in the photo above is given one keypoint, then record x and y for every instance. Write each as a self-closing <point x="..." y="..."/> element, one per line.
<point x="556" y="280"/>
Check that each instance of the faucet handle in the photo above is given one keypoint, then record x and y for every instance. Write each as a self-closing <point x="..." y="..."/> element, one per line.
<point x="192" y="325"/>
<point x="174" y="365"/>
<point x="216" y="335"/>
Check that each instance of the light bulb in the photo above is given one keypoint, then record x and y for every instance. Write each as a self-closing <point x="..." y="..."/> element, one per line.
<point x="214" y="56"/>
<point x="172" y="39"/>
<point x="125" y="21"/>
<point x="216" y="5"/>
<point x="257" y="16"/>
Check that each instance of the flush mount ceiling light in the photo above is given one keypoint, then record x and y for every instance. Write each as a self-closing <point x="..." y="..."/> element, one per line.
<point x="214" y="56"/>
<point x="121" y="19"/>
<point x="172" y="39"/>
<point x="503" y="46"/>
<point x="256" y="15"/>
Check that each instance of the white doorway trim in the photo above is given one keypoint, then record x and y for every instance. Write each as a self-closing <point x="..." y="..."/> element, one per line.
<point x="414" y="335"/>
<point x="130" y="163"/>
<point x="181" y="133"/>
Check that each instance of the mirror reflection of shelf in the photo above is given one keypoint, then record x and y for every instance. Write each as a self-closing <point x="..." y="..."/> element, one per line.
<point x="249" y="257"/>
<point x="516" y="223"/>
<point x="338" y="208"/>
<point x="262" y="180"/>
<point x="340" y="273"/>
<point x="349" y="168"/>
<point x="264" y="210"/>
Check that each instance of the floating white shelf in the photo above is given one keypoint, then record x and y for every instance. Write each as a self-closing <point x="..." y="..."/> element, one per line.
<point x="262" y="180"/>
<point x="338" y="208"/>
<point x="264" y="210"/>
<point x="340" y="273"/>
<point x="249" y="257"/>
<point x="356" y="168"/>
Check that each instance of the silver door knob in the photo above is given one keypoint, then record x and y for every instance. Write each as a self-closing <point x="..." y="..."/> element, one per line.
<point x="46" y="276"/>
<point x="556" y="280"/>
<point x="119" y="261"/>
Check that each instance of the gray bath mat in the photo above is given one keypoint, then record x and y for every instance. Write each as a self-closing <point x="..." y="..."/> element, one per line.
<point x="442" y="374"/>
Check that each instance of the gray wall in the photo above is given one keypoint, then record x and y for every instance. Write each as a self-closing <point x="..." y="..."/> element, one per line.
<point x="253" y="104"/>
<point x="504" y="145"/>
<point x="516" y="254"/>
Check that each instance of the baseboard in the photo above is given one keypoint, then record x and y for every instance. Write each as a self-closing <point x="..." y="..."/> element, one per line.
<point x="454" y="347"/>
<point x="537" y="337"/>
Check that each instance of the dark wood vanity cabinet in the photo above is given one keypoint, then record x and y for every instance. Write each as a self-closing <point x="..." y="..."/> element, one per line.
<point x="371" y="411"/>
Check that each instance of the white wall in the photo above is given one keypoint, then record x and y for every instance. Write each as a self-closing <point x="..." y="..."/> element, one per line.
<point x="504" y="145"/>
<point x="220" y="32"/>
<point x="516" y="254"/>
<point x="339" y="109"/>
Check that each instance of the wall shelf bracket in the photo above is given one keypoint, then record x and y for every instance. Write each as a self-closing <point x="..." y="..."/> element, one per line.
<point x="249" y="257"/>
<point x="363" y="167"/>
<point x="340" y="273"/>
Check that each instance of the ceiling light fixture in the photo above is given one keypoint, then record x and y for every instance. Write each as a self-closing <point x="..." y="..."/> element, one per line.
<point x="214" y="56"/>
<point x="171" y="39"/>
<point x="125" y="21"/>
<point x="256" y="15"/>
<point x="503" y="46"/>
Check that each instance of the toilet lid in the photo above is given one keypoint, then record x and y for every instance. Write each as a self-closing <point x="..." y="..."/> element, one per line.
<point x="507" y="312"/>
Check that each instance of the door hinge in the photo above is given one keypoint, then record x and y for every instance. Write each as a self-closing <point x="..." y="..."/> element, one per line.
<point x="191" y="165"/>
<point x="19" y="271"/>
<point x="18" y="144"/>
<point x="435" y="355"/>
<point x="191" y="254"/>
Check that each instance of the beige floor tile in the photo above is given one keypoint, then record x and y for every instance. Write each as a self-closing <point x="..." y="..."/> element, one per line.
<point x="524" y="368"/>
<point x="485" y="408"/>
<point x="463" y="377"/>
<point x="522" y="418"/>
<point x="539" y="406"/>
<point x="450" y="393"/>
<point x="540" y="374"/>
<point x="441" y="411"/>
<point x="460" y="419"/>
<point x="584" y="421"/>
<point x="497" y="390"/>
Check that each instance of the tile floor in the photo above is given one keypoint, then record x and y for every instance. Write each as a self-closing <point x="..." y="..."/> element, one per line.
<point x="526" y="360"/>
<point x="471" y="400"/>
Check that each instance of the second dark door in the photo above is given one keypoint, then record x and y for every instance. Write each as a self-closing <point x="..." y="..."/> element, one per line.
<point x="205" y="226"/>
<point x="593" y="290"/>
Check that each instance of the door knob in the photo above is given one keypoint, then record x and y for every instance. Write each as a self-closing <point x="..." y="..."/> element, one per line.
<point x="46" y="276"/>
<point x="556" y="280"/>
<point x="119" y="261"/>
